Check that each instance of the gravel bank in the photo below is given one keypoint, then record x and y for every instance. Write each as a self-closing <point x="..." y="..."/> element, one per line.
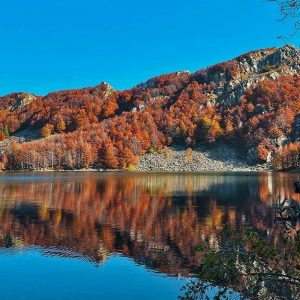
<point x="218" y="159"/>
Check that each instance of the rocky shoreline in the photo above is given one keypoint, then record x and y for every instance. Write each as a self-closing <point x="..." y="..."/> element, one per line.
<point x="217" y="159"/>
<point x="221" y="158"/>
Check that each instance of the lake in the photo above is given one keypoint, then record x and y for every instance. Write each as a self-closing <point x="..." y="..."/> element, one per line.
<point x="89" y="235"/>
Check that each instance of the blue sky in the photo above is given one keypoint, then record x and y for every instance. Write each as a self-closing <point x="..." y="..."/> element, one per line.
<point x="60" y="44"/>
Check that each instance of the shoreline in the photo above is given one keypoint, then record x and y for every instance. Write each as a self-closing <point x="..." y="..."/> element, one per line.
<point x="120" y="171"/>
<point x="142" y="171"/>
<point x="217" y="159"/>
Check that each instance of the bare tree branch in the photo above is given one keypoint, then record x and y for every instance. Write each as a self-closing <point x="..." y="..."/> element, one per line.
<point x="289" y="11"/>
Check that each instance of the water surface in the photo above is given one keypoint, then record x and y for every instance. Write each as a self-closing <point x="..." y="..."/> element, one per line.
<point x="122" y="236"/>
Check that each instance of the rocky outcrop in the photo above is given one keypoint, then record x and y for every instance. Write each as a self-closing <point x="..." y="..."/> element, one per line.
<point x="103" y="87"/>
<point x="21" y="100"/>
<point x="231" y="79"/>
<point x="287" y="58"/>
<point x="250" y="69"/>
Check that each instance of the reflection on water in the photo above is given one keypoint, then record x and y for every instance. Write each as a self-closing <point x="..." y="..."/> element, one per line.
<point x="155" y="220"/>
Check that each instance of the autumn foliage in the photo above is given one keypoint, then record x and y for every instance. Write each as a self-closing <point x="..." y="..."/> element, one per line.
<point x="287" y="157"/>
<point x="103" y="128"/>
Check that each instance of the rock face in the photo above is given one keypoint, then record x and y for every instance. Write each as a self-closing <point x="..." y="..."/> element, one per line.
<point x="288" y="57"/>
<point x="232" y="78"/>
<point x="251" y="68"/>
<point x="19" y="100"/>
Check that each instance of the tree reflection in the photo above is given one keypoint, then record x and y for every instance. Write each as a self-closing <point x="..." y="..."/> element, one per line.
<point x="246" y="266"/>
<point x="158" y="220"/>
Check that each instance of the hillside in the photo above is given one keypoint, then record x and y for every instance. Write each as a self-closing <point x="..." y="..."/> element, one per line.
<point x="251" y="104"/>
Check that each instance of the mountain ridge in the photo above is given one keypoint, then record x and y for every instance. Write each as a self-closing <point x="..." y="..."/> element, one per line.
<point x="250" y="102"/>
<point x="286" y="51"/>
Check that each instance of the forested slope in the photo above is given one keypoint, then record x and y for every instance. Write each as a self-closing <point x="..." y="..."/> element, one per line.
<point x="251" y="103"/>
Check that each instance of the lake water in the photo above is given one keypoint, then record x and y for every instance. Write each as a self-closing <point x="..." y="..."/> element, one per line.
<point x="121" y="236"/>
